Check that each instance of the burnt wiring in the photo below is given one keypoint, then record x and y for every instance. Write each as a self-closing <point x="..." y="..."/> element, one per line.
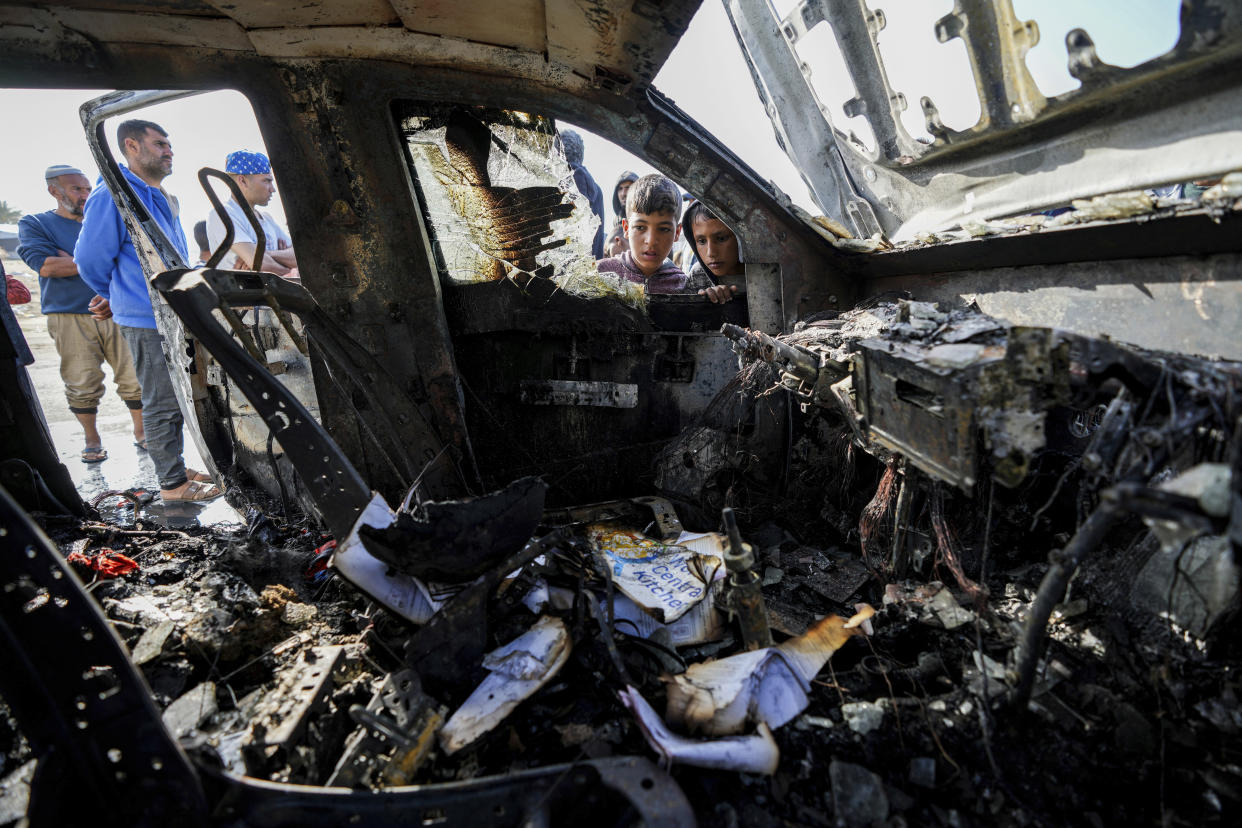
<point x="947" y="549"/>
<point x="873" y="515"/>
<point x="1143" y="450"/>
<point x="1115" y="418"/>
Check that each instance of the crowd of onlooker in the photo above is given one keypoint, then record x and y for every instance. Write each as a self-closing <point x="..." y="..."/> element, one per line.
<point x="98" y="306"/>
<point x="653" y="241"/>
<point x="95" y="297"/>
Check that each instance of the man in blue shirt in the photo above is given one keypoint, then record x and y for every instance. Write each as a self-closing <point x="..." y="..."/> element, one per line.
<point x="107" y="261"/>
<point x="77" y="318"/>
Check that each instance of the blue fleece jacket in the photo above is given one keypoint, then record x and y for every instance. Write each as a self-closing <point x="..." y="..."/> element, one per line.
<point x="105" y="253"/>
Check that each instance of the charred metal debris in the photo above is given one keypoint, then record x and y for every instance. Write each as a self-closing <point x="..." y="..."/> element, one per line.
<point x="524" y="548"/>
<point x="875" y="177"/>
<point x="1031" y="534"/>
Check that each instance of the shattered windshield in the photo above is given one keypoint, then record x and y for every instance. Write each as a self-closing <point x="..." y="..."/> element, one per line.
<point x="500" y="200"/>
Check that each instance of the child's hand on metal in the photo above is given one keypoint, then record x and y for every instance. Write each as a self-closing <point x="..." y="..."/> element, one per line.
<point x="719" y="293"/>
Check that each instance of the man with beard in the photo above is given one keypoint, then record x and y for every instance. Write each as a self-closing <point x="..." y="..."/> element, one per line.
<point x="108" y="262"/>
<point x="78" y="319"/>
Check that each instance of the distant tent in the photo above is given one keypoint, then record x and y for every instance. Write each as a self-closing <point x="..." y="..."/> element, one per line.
<point x="8" y="238"/>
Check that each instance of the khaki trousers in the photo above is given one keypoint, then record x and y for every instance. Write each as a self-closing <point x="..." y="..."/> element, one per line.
<point x="84" y="344"/>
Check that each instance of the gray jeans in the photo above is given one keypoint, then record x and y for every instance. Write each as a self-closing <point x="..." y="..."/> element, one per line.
<point x="161" y="417"/>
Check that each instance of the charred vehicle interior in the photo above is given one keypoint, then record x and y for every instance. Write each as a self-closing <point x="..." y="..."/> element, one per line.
<point x="527" y="545"/>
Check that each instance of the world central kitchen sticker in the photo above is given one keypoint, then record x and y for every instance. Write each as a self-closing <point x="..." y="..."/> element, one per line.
<point x="666" y="580"/>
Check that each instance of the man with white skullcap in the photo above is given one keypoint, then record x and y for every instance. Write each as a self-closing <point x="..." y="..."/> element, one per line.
<point x="78" y="319"/>
<point x="253" y="174"/>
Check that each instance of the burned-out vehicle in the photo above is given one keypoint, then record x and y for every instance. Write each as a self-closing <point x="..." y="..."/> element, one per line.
<point x="989" y="455"/>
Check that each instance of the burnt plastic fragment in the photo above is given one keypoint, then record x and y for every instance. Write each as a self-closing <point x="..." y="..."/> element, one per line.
<point x="458" y="540"/>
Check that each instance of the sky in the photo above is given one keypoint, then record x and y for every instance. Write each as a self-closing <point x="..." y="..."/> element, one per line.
<point x="60" y="139"/>
<point x="706" y="76"/>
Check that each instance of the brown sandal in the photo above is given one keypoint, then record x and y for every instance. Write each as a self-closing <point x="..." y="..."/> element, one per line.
<point x="195" y="492"/>
<point x="195" y="474"/>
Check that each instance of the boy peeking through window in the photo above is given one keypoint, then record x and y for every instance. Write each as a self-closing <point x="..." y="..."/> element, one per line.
<point x="651" y="226"/>
<point x="652" y="210"/>
<point x="717" y="258"/>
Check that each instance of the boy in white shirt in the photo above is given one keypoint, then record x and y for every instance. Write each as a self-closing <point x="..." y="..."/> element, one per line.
<point x="253" y="174"/>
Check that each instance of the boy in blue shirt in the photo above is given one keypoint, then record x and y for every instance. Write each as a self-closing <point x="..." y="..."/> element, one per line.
<point x="78" y="320"/>
<point x="107" y="261"/>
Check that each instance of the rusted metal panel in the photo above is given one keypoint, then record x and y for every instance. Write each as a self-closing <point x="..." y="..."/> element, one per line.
<point x="569" y="392"/>
<point x="400" y="45"/>
<point x="302" y="693"/>
<point x="1139" y="114"/>
<point x="365" y="264"/>
<point x="170" y="30"/>
<point x="519" y="26"/>
<point x="613" y="43"/>
<point x="275" y="14"/>
<point x="1188" y="304"/>
<point x="917" y="413"/>
<point x="544" y="337"/>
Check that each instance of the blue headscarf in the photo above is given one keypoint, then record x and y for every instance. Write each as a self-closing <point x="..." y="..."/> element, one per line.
<point x="245" y="162"/>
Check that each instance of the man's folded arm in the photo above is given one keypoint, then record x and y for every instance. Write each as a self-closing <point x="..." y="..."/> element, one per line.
<point x="99" y="244"/>
<point x="286" y="257"/>
<point x="40" y="252"/>
<point x="245" y="252"/>
<point x="59" y="266"/>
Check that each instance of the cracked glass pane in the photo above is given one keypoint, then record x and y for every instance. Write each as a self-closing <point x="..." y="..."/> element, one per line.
<point x="500" y="200"/>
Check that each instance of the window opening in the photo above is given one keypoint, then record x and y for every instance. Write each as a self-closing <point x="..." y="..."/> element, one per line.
<point x="829" y="78"/>
<point x="500" y="200"/>
<point x="919" y="66"/>
<point x="1126" y="33"/>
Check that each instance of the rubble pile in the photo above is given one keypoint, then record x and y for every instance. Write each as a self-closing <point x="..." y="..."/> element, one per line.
<point x="990" y="579"/>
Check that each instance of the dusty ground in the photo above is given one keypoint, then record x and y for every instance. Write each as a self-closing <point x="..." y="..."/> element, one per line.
<point x="126" y="466"/>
